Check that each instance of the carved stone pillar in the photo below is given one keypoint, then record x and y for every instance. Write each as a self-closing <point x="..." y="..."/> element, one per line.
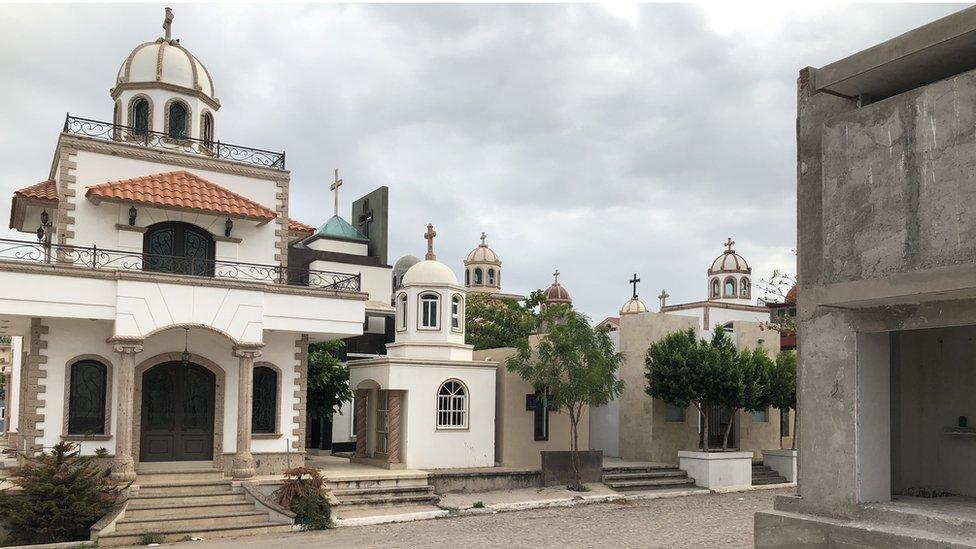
<point x="124" y="465"/>
<point x="243" y="466"/>
<point x="362" y="420"/>
<point x="393" y="454"/>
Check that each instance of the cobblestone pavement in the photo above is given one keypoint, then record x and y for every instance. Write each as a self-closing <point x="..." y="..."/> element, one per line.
<point x="723" y="520"/>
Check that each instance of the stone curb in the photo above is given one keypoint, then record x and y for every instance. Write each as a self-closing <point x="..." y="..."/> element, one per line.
<point x="387" y="519"/>
<point x="62" y="545"/>
<point x="754" y="488"/>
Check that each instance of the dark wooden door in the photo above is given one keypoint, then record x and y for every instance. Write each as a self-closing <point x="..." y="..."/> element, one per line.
<point x="177" y="413"/>
<point x="176" y="247"/>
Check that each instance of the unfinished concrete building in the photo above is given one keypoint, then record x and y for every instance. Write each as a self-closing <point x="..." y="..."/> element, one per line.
<point x="887" y="299"/>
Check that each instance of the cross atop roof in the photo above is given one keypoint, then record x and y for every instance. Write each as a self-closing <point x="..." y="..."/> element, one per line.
<point x="335" y="188"/>
<point x="168" y="23"/>
<point x="728" y="246"/>
<point x="555" y="276"/>
<point x="483" y="237"/>
<point x="663" y="297"/>
<point x="429" y="235"/>
<point x="634" y="282"/>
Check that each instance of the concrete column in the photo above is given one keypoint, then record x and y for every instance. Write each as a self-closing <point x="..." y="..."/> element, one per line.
<point x="362" y="420"/>
<point x="243" y="466"/>
<point x="124" y="465"/>
<point x="395" y="402"/>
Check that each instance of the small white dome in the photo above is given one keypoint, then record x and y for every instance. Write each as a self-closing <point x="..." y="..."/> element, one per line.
<point x="729" y="261"/>
<point x="430" y="272"/>
<point x="633" y="306"/>
<point x="482" y="254"/>
<point x="166" y="62"/>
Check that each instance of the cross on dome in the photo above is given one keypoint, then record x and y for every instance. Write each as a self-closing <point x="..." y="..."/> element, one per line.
<point x="335" y="189"/>
<point x="634" y="282"/>
<point x="728" y="246"/>
<point x="168" y="23"/>
<point x="663" y="297"/>
<point x="429" y="236"/>
<point x="483" y="237"/>
<point x="555" y="277"/>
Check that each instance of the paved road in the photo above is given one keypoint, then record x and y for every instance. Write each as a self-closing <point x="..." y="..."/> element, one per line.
<point x="694" y="521"/>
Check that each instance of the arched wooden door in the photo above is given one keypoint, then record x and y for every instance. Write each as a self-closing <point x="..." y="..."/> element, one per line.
<point x="177" y="247"/>
<point x="177" y="413"/>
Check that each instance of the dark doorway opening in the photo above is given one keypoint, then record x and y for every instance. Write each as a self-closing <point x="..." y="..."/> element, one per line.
<point x="177" y="413"/>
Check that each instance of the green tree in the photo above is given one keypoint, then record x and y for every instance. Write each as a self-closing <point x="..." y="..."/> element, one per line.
<point x="492" y="322"/>
<point x="782" y="385"/>
<point x="748" y="387"/>
<point x="62" y="495"/>
<point x="683" y="370"/>
<point x="576" y="363"/>
<point x="328" y="379"/>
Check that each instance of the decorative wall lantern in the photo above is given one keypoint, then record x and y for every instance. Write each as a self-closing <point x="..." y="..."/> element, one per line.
<point x="45" y="226"/>
<point x="228" y="226"/>
<point x="132" y="216"/>
<point x="185" y="355"/>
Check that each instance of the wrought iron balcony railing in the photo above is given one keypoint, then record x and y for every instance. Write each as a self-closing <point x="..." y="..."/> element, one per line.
<point x="160" y="140"/>
<point x="100" y="258"/>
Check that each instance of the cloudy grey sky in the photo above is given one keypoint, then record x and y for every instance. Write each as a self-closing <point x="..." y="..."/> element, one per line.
<point x="602" y="140"/>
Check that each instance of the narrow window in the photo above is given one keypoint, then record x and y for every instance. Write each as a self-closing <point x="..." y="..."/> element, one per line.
<point x="140" y="116"/>
<point x="86" y="398"/>
<point x="674" y="413"/>
<point x="491" y="277"/>
<point x="452" y="405"/>
<point x="402" y="311"/>
<point x="744" y="287"/>
<point x="207" y="132"/>
<point x="265" y="401"/>
<point x="177" y="120"/>
<point x="429" y="303"/>
<point x="715" y="287"/>
<point x="730" y="287"/>
<point x="456" y="313"/>
<point x="761" y="416"/>
<point x="467" y="277"/>
<point x="478" y="277"/>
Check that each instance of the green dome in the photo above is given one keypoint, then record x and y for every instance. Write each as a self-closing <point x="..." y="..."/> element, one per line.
<point x="338" y="227"/>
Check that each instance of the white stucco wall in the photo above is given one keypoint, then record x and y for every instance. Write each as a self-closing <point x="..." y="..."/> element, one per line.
<point x="340" y="246"/>
<point x="605" y="420"/>
<point x="376" y="281"/>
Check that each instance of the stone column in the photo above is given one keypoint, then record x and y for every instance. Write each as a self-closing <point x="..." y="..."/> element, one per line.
<point x="124" y="465"/>
<point x="362" y="423"/>
<point x="243" y="466"/>
<point x="393" y="454"/>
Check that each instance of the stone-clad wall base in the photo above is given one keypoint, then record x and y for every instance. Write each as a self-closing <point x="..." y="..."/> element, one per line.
<point x="448" y="481"/>
<point x="781" y="530"/>
<point x="268" y="463"/>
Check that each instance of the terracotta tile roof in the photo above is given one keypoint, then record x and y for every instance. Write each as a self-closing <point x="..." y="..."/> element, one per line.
<point x="299" y="227"/>
<point x="181" y="190"/>
<point x="45" y="191"/>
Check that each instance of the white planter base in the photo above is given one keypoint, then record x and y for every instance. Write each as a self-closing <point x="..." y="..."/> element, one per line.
<point x="722" y="470"/>
<point x="781" y="461"/>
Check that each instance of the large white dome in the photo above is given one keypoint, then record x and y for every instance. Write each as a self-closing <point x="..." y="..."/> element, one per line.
<point x="166" y="62"/>
<point x="430" y="272"/>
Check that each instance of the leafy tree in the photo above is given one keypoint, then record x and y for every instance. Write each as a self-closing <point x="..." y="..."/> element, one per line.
<point x="328" y="379"/>
<point x="63" y="495"/>
<point x="782" y="385"/>
<point x="576" y="363"/>
<point x="681" y="370"/>
<point x="749" y="385"/>
<point x="492" y="322"/>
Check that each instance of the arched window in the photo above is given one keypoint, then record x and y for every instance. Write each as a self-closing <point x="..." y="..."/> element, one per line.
<point x="452" y="405"/>
<point x="456" y="304"/>
<point x="491" y="277"/>
<point x="402" y="311"/>
<point x="264" y="404"/>
<point x="729" y="287"/>
<point x="140" y="116"/>
<point x="478" y="276"/>
<point x="207" y="129"/>
<point x="716" y="288"/>
<point x="429" y="305"/>
<point x="467" y="277"/>
<point x="744" y="287"/>
<point x="178" y="116"/>
<point x="177" y="247"/>
<point x="86" y="398"/>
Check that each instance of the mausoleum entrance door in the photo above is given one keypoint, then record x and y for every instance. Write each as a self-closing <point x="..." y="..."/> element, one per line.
<point x="177" y="413"/>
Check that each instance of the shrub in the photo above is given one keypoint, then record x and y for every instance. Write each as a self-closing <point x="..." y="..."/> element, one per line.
<point x="101" y="452"/>
<point x="302" y="493"/>
<point x="150" y="538"/>
<point x="64" y="493"/>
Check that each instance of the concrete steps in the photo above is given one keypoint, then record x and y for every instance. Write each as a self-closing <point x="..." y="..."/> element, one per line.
<point x="763" y="474"/>
<point x="646" y="477"/>
<point x="385" y="496"/>
<point x="175" y="505"/>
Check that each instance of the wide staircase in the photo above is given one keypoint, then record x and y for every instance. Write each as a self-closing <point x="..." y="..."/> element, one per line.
<point x="646" y="477"/>
<point x="763" y="474"/>
<point x="363" y="496"/>
<point x="181" y="505"/>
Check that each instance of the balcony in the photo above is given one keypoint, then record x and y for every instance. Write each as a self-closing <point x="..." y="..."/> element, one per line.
<point x="102" y="259"/>
<point x="107" y="131"/>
